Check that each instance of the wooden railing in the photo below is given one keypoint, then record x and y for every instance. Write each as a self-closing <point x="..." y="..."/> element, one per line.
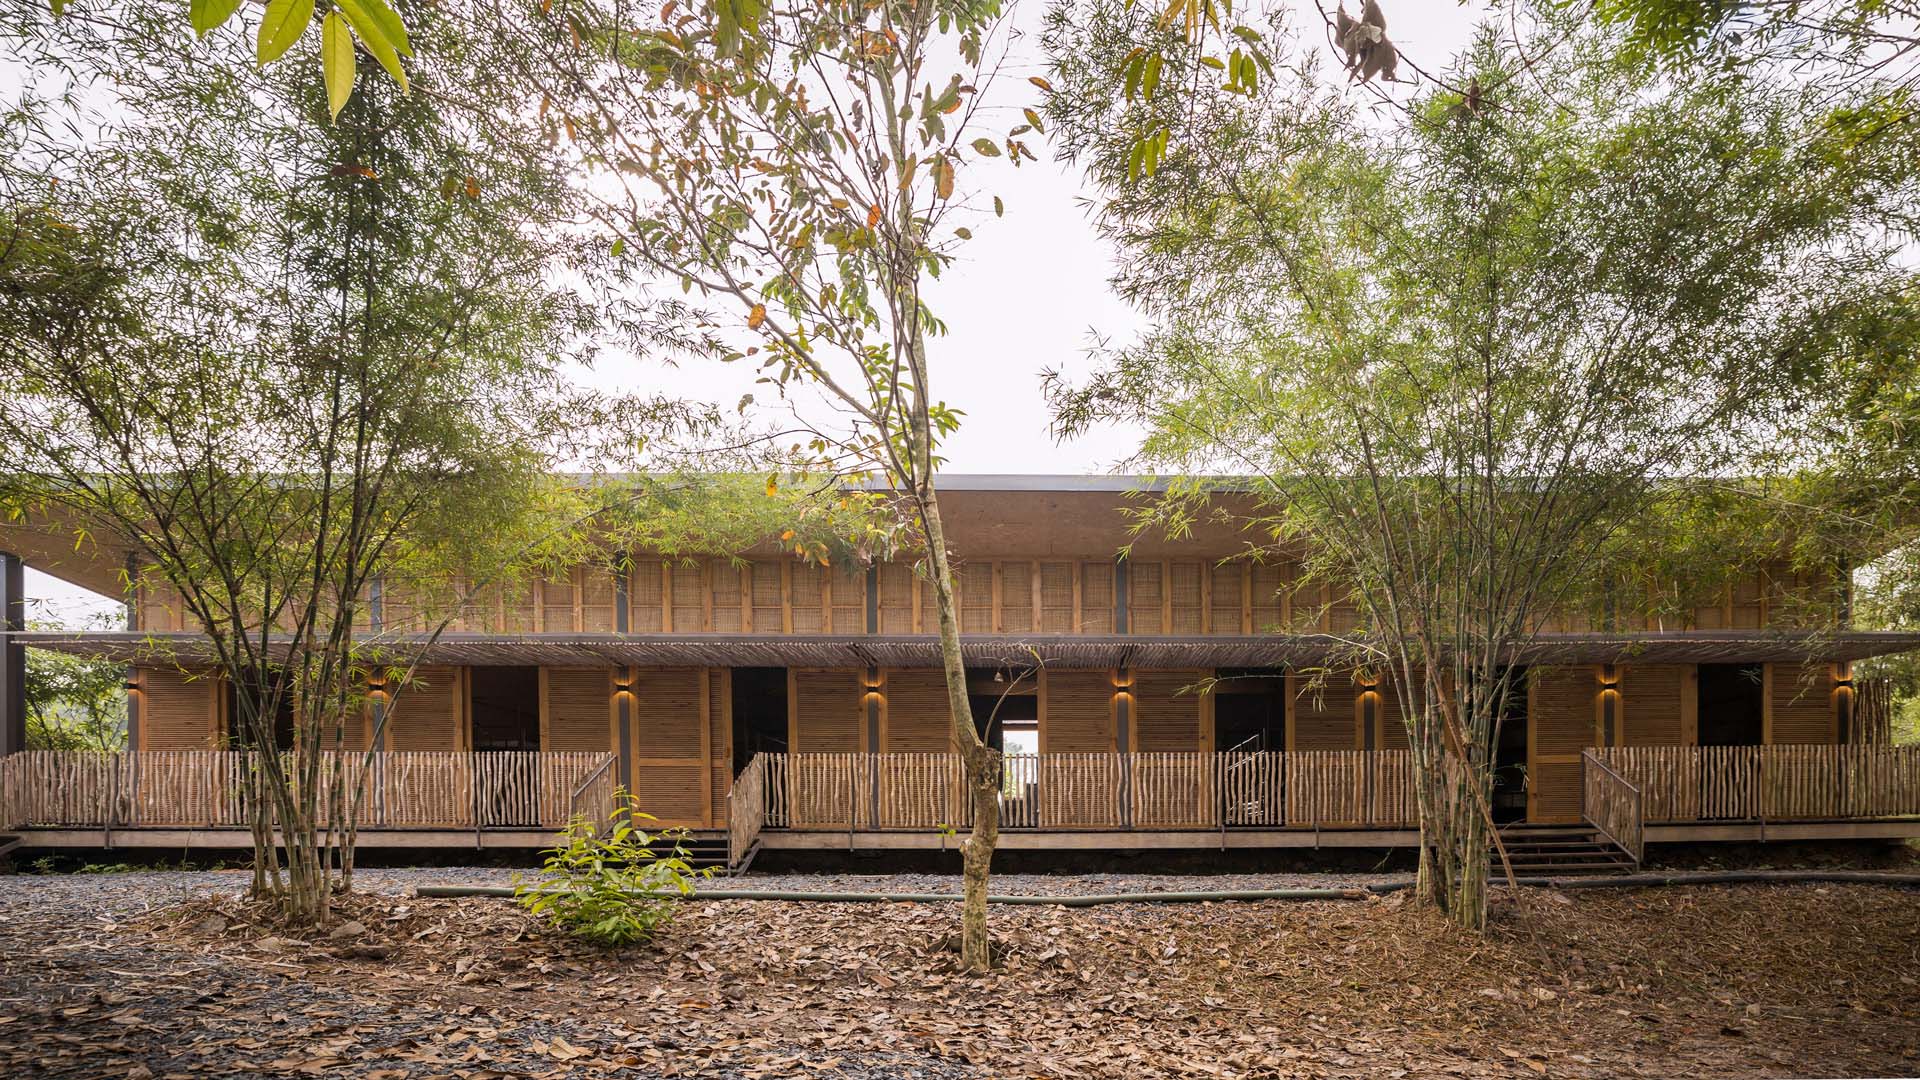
<point x="746" y="809"/>
<point x="206" y="789"/>
<point x="592" y="797"/>
<point x="1770" y="783"/>
<point x="1612" y="806"/>
<point x="1152" y="791"/>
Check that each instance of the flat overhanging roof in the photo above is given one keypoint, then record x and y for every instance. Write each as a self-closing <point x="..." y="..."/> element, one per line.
<point x="991" y="650"/>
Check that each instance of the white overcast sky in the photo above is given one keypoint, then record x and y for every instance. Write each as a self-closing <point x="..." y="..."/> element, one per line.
<point x="1029" y="293"/>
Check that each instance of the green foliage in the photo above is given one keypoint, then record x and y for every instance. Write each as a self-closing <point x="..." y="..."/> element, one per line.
<point x="74" y="702"/>
<point x="613" y="884"/>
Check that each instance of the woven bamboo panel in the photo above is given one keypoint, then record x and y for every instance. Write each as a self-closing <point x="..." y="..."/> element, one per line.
<point x="1227" y="603"/>
<point x="1096" y="597"/>
<point x="1078" y="708"/>
<point x="1146" y="592"/>
<point x="1080" y="790"/>
<point x="689" y="608"/>
<point x="517" y="611"/>
<point x="1269" y="583"/>
<point x="1321" y="717"/>
<point x="896" y="585"/>
<point x="1803" y="705"/>
<point x="1344" y="616"/>
<point x="1167" y="713"/>
<point x="827" y="712"/>
<point x="974" y="591"/>
<point x="597" y="599"/>
<point x="1016" y="597"/>
<point x="646" y="591"/>
<point x="426" y="713"/>
<point x="809" y="616"/>
<point x="848" y="581"/>
<point x="723" y="583"/>
<point x="765" y="587"/>
<point x="1184" y="592"/>
<point x="556" y="604"/>
<point x="176" y="710"/>
<point x="1650" y="709"/>
<point x="1056" y="598"/>
<point x="1749" y="602"/>
<point x="579" y="709"/>
<point x="917" y="718"/>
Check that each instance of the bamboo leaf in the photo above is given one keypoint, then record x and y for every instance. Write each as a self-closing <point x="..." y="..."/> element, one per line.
<point x="283" y="24"/>
<point x="336" y="61"/>
<point x="207" y="15"/>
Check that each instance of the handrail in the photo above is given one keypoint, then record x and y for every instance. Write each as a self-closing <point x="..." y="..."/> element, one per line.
<point x="1613" y="806"/>
<point x="593" y="778"/>
<point x="746" y="809"/>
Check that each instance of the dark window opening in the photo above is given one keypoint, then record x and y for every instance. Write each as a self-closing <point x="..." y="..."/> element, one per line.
<point x="1250" y="710"/>
<point x="1732" y="706"/>
<point x="1006" y="708"/>
<point x="759" y="713"/>
<point x="261" y="689"/>
<point x="1510" y="752"/>
<point x="505" y="706"/>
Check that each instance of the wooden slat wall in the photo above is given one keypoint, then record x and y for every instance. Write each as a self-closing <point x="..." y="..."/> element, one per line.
<point x="1186" y="597"/>
<point x="1560" y="724"/>
<point x="1800" y="708"/>
<point x="848" y="583"/>
<point x="1164" y="718"/>
<point x="1016" y="597"/>
<point x="974" y="585"/>
<point x="688" y="598"/>
<point x="1096" y="598"/>
<point x="428" y="714"/>
<point x="914" y="716"/>
<point x="1076" y="712"/>
<point x="1322" y="718"/>
<point x="597" y="598"/>
<point x="1656" y="704"/>
<point x="1228" y="598"/>
<point x="177" y="711"/>
<point x="719" y="743"/>
<point x="576" y="709"/>
<point x="1057" y="594"/>
<point x="896" y="584"/>
<point x="1391" y="733"/>
<point x="806" y="597"/>
<point x="724" y="606"/>
<point x="1146" y="597"/>
<point x="824" y="711"/>
<point x="671" y="756"/>
<point x="557" y="604"/>
<point x="765" y="592"/>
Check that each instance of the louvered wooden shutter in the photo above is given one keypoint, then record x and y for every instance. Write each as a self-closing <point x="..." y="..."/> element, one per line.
<point x="1146" y="586"/>
<point x="809" y="617"/>
<point x="848" y="580"/>
<point x="578" y="709"/>
<point x="1226" y="601"/>
<point x="1802" y="701"/>
<point x="976" y="597"/>
<point x="671" y="755"/>
<point x="556" y="604"/>
<point x="1268" y="610"/>
<point x="768" y="613"/>
<point x="826" y="711"/>
<point x="914" y="716"/>
<point x="426" y="714"/>
<point x="719" y="742"/>
<point x="1016" y="597"/>
<point x="177" y="710"/>
<point x="597" y="599"/>
<point x="1651" y="706"/>
<point x="1560" y="724"/>
<point x="1183" y="585"/>
<point x="1078" y="712"/>
<point x="1165" y="718"/>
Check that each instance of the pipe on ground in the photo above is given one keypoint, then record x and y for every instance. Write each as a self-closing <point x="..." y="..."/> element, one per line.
<point x="1205" y="896"/>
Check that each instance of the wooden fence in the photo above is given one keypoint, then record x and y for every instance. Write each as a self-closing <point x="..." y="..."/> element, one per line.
<point x="1612" y="805"/>
<point x="206" y="789"/>
<point x="1155" y="791"/>
<point x="1770" y="783"/>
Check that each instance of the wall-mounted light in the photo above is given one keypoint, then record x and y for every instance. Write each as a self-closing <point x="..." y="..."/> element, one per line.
<point x="1843" y="676"/>
<point x="1609" y="676"/>
<point x="1123" y="678"/>
<point x="376" y="688"/>
<point x="623" y="688"/>
<point x="130" y="686"/>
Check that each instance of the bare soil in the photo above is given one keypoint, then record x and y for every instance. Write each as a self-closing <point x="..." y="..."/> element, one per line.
<point x="138" y="975"/>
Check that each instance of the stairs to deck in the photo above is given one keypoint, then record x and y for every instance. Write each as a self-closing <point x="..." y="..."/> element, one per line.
<point x="1559" y="851"/>
<point x="706" y="849"/>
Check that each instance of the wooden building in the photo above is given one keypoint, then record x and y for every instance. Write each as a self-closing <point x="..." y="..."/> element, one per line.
<point x="1176" y="697"/>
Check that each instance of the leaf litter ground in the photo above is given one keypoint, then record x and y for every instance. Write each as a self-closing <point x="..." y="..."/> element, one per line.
<point x="1693" y="981"/>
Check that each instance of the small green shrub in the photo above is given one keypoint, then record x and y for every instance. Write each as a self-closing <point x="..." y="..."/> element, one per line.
<point x="616" y="884"/>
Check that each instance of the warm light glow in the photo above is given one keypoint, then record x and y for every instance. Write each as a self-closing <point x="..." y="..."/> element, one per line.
<point x="1610" y="677"/>
<point x="1123" y="678"/>
<point x="131" y="687"/>
<point x="622" y="688"/>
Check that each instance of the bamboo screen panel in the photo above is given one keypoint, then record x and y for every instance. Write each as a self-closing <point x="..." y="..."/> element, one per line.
<point x="1164" y="718"/>
<point x="1016" y="597"/>
<point x="719" y="742"/>
<point x="723" y="585"/>
<point x="915" y="716"/>
<point x="597" y="599"/>
<point x="1802" y="700"/>
<point x="896" y="583"/>
<point x="689" y="597"/>
<point x="1145" y="595"/>
<point x="1321" y="717"/>
<point x="1269" y="582"/>
<point x="1650" y="704"/>
<point x="1227" y="604"/>
<point x="805" y="598"/>
<point x="1392" y="721"/>
<point x="849" y="584"/>
<point x="1183" y="587"/>
<point x="1056" y="598"/>
<point x="556" y="604"/>
<point x="1096" y="598"/>
<point x="399" y="606"/>
<point x="645" y="593"/>
<point x="769" y="616"/>
<point x="514" y="602"/>
<point x="1344" y="615"/>
<point x="579" y="709"/>
<point x="974" y="583"/>
<point x="1076" y="712"/>
<point x="826" y="710"/>
<point x="176" y="710"/>
<point x="1560" y="717"/>
<point x="425" y="714"/>
<point x="670" y="758"/>
<point x="1749" y="605"/>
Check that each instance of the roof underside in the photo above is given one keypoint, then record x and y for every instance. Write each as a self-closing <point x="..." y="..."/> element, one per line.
<point x="994" y="650"/>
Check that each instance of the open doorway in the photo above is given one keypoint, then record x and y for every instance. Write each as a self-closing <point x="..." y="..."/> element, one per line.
<point x="504" y="703"/>
<point x="1510" y="752"/>
<point x="759" y="713"/>
<point x="283" y="713"/>
<point x="1250" y="710"/>
<point x="1732" y="705"/>
<point x="1006" y="708"/>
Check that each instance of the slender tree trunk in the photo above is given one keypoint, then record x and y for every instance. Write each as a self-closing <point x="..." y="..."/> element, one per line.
<point x="981" y="765"/>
